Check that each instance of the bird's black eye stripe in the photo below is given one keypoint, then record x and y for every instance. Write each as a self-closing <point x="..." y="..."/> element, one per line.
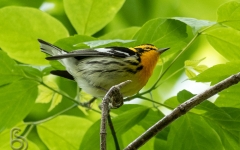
<point x="140" y="50"/>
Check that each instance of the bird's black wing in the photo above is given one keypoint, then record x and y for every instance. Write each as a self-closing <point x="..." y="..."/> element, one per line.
<point x="98" y="52"/>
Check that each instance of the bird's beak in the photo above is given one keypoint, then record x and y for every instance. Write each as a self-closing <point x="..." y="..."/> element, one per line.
<point x="161" y="50"/>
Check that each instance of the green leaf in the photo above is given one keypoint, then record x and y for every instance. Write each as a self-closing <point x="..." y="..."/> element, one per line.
<point x="193" y="132"/>
<point x="172" y="102"/>
<point x="200" y="68"/>
<point x="45" y="94"/>
<point x="53" y="89"/>
<point x="124" y="34"/>
<point x="224" y="121"/>
<point x="229" y="14"/>
<point x="229" y="97"/>
<point x="225" y="41"/>
<point x="73" y="42"/>
<point x="17" y="99"/>
<point x="31" y="73"/>
<point x="184" y="95"/>
<point x="121" y="124"/>
<point x="9" y="70"/>
<point x="36" y="4"/>
<point x="218" y="72"/>
<point x="192" y="67"/>
<point x="97" y="43"/>
<point x="89" y="16"/>
<point x="65" y="132"/>
<point x="190" y="74"/>
<point x="21" y="27"/>
<point x="192" y="63"/>
<point x="195" y="24"/>
<point x="162" y="33"/>
<point x="151" y="118"/>
<point x="5" y="139"/>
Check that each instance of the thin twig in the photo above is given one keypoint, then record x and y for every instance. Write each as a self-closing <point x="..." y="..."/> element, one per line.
<point x="110" y="124"/>
<point x="114" y="96"/>
<point x="181" y="110"/>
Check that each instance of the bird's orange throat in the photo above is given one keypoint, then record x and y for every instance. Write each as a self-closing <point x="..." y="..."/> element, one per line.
<point x="149" y="61"/>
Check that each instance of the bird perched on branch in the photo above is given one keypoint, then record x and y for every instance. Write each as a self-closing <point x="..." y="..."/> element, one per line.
<point x="97" y="70"/>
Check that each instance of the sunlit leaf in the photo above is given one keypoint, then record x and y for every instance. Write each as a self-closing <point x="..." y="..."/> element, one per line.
<point x="190" y="74"/>
<point x="192" y="67"/>
<point x="65" y="132"/>
<point x="20" y="29"/>
<point x="44" y="94"/>
<point x="192" y="63"/>
<point x="229" y="14"/>
<point x="200" y="68"/>
<point x="89" y="16"/>
<point x="218" y="72"/>
<point x="57" y="98"/>
<point x="225" y="41"/>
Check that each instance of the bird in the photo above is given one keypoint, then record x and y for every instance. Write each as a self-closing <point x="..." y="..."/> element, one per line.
<point x="96" y="70"/>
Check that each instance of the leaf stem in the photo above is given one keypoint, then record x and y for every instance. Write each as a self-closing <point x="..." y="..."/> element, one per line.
<point x="51" y="117"/>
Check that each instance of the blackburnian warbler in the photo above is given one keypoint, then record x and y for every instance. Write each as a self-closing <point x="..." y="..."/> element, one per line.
<point x="97" y="70"/>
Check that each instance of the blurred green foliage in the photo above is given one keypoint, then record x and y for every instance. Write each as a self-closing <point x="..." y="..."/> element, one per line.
<point x="43" y="106"/>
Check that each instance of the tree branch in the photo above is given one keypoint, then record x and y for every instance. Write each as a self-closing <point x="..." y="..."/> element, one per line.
<point x="114" y="96"/>
<point x="182" y="109"/>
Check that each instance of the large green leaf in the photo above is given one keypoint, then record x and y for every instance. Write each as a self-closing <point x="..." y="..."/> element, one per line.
<point x="225" y="41"/>
<point x="63" y="132"/>
<point x="193" y="132"/>
<point x="229" y="14"/>
<point x="226" y="122"/>
<point x="211" y="121"/>
<point x="21" y="27"/>
<point x="89" y="16"/>
<point x="16" y="101"/>
<point x="162" y="33"/>
<point x="124" y="34"/>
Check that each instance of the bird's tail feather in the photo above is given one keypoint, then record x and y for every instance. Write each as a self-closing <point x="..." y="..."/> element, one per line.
<point x="50" y="49"/>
